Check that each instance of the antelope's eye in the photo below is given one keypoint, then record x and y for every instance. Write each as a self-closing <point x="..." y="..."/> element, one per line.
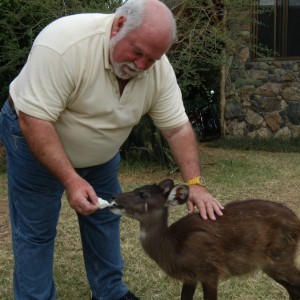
<point x="144" y="195"/>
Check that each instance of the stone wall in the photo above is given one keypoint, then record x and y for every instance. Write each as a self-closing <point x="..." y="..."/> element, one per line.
<point x="263" y="98"/>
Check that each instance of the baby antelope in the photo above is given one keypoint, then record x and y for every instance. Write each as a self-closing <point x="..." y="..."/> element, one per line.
<point x="252" y="235"/>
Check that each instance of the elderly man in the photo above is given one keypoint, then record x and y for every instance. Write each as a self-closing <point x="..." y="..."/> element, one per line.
<point x="87" y="81"/>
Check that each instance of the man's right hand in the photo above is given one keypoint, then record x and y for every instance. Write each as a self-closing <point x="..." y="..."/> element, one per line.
<point x="44" y="142"/>
<point x="81" y="196"/>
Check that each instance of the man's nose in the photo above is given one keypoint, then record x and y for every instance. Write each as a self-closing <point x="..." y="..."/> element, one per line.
<point x="142" y="63"/>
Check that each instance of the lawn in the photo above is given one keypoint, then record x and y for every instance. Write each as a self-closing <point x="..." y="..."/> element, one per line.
<point x="231" y="174"/>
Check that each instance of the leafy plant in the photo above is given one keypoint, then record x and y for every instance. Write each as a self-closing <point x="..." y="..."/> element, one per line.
<point x="145" y="143"/>
<point x="22" y="20"/>
<point x="211" y="34"/>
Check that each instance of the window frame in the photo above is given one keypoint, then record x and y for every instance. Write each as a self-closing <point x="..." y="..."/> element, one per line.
<point x="280" y="33"/>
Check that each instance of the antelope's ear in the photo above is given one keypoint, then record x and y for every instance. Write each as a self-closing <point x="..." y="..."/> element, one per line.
<point x="166" y="185"/>
<point x="178" y="195"/>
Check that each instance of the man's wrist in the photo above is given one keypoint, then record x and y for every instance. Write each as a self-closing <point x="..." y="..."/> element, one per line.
<point x="199" y="180"/>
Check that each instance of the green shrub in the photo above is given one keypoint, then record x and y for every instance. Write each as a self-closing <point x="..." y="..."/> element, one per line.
<point x="146" y="144"/>
<point x="263" y="144"/>
<point x="22" y="20"/>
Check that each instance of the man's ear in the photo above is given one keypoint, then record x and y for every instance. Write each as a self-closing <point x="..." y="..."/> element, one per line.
<point x="117" y="25"/>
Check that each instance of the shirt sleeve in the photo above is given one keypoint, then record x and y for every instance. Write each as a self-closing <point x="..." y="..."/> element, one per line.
<point x="44" y="84"/>
<point x="168" y="110"/>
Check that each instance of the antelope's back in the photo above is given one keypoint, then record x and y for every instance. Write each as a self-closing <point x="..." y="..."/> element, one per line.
<point x="249" y="233"/>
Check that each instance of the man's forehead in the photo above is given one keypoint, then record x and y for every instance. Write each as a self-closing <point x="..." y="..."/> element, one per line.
<point x="148" y="45"/>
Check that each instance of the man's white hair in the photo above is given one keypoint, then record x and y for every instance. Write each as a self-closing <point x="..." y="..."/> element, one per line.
<point x="135" y="11"/>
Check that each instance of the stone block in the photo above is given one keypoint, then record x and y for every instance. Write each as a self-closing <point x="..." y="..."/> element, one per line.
<point x="273" y="121"/>
<point x="283" y="134"/>
<point x="236" y="128"/>
<point x="295" y="130"/>
<point x="233" y="110"/>
<point x="254" y="118"/>
<point x="268" y="104"/>
<point x="269" y="89"/>
<point x="261" y="133"/>
<point x="291" y="93"/>
<point x="293" y="112"/>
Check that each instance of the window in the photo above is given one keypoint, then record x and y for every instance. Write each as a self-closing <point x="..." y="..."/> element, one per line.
<point x="278" y="27"/>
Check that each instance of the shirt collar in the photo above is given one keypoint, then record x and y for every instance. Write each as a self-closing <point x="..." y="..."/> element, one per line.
<point x="107" y="64"/>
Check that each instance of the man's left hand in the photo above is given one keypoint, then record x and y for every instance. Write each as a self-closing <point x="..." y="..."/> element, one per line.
<point x="208" y="206"/>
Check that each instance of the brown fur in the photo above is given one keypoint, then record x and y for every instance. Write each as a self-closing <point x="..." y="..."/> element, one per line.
<point x="252" y="235"/>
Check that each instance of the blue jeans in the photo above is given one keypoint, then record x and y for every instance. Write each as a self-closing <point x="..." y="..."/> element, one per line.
<point x="35" y="202"/>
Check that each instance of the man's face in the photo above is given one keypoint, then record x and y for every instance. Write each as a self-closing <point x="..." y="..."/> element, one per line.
<point x="126" y="68"/>
<point x="135" y="52"/>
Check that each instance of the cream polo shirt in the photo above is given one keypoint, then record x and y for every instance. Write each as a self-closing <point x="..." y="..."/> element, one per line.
<point x="68" y="81"/>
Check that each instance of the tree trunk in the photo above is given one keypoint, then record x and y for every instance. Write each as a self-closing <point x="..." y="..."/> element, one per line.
<point x="223" y="79"/>
<point x="222" y="95"/>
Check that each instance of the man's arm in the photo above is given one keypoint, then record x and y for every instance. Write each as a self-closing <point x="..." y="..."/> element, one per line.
<point x="45" y="144"/>
<point x="183" y="145"/>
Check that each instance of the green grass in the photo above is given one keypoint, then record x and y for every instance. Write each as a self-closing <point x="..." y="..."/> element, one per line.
<point x="231" y="174"/>
<point x="247" y="143"/>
